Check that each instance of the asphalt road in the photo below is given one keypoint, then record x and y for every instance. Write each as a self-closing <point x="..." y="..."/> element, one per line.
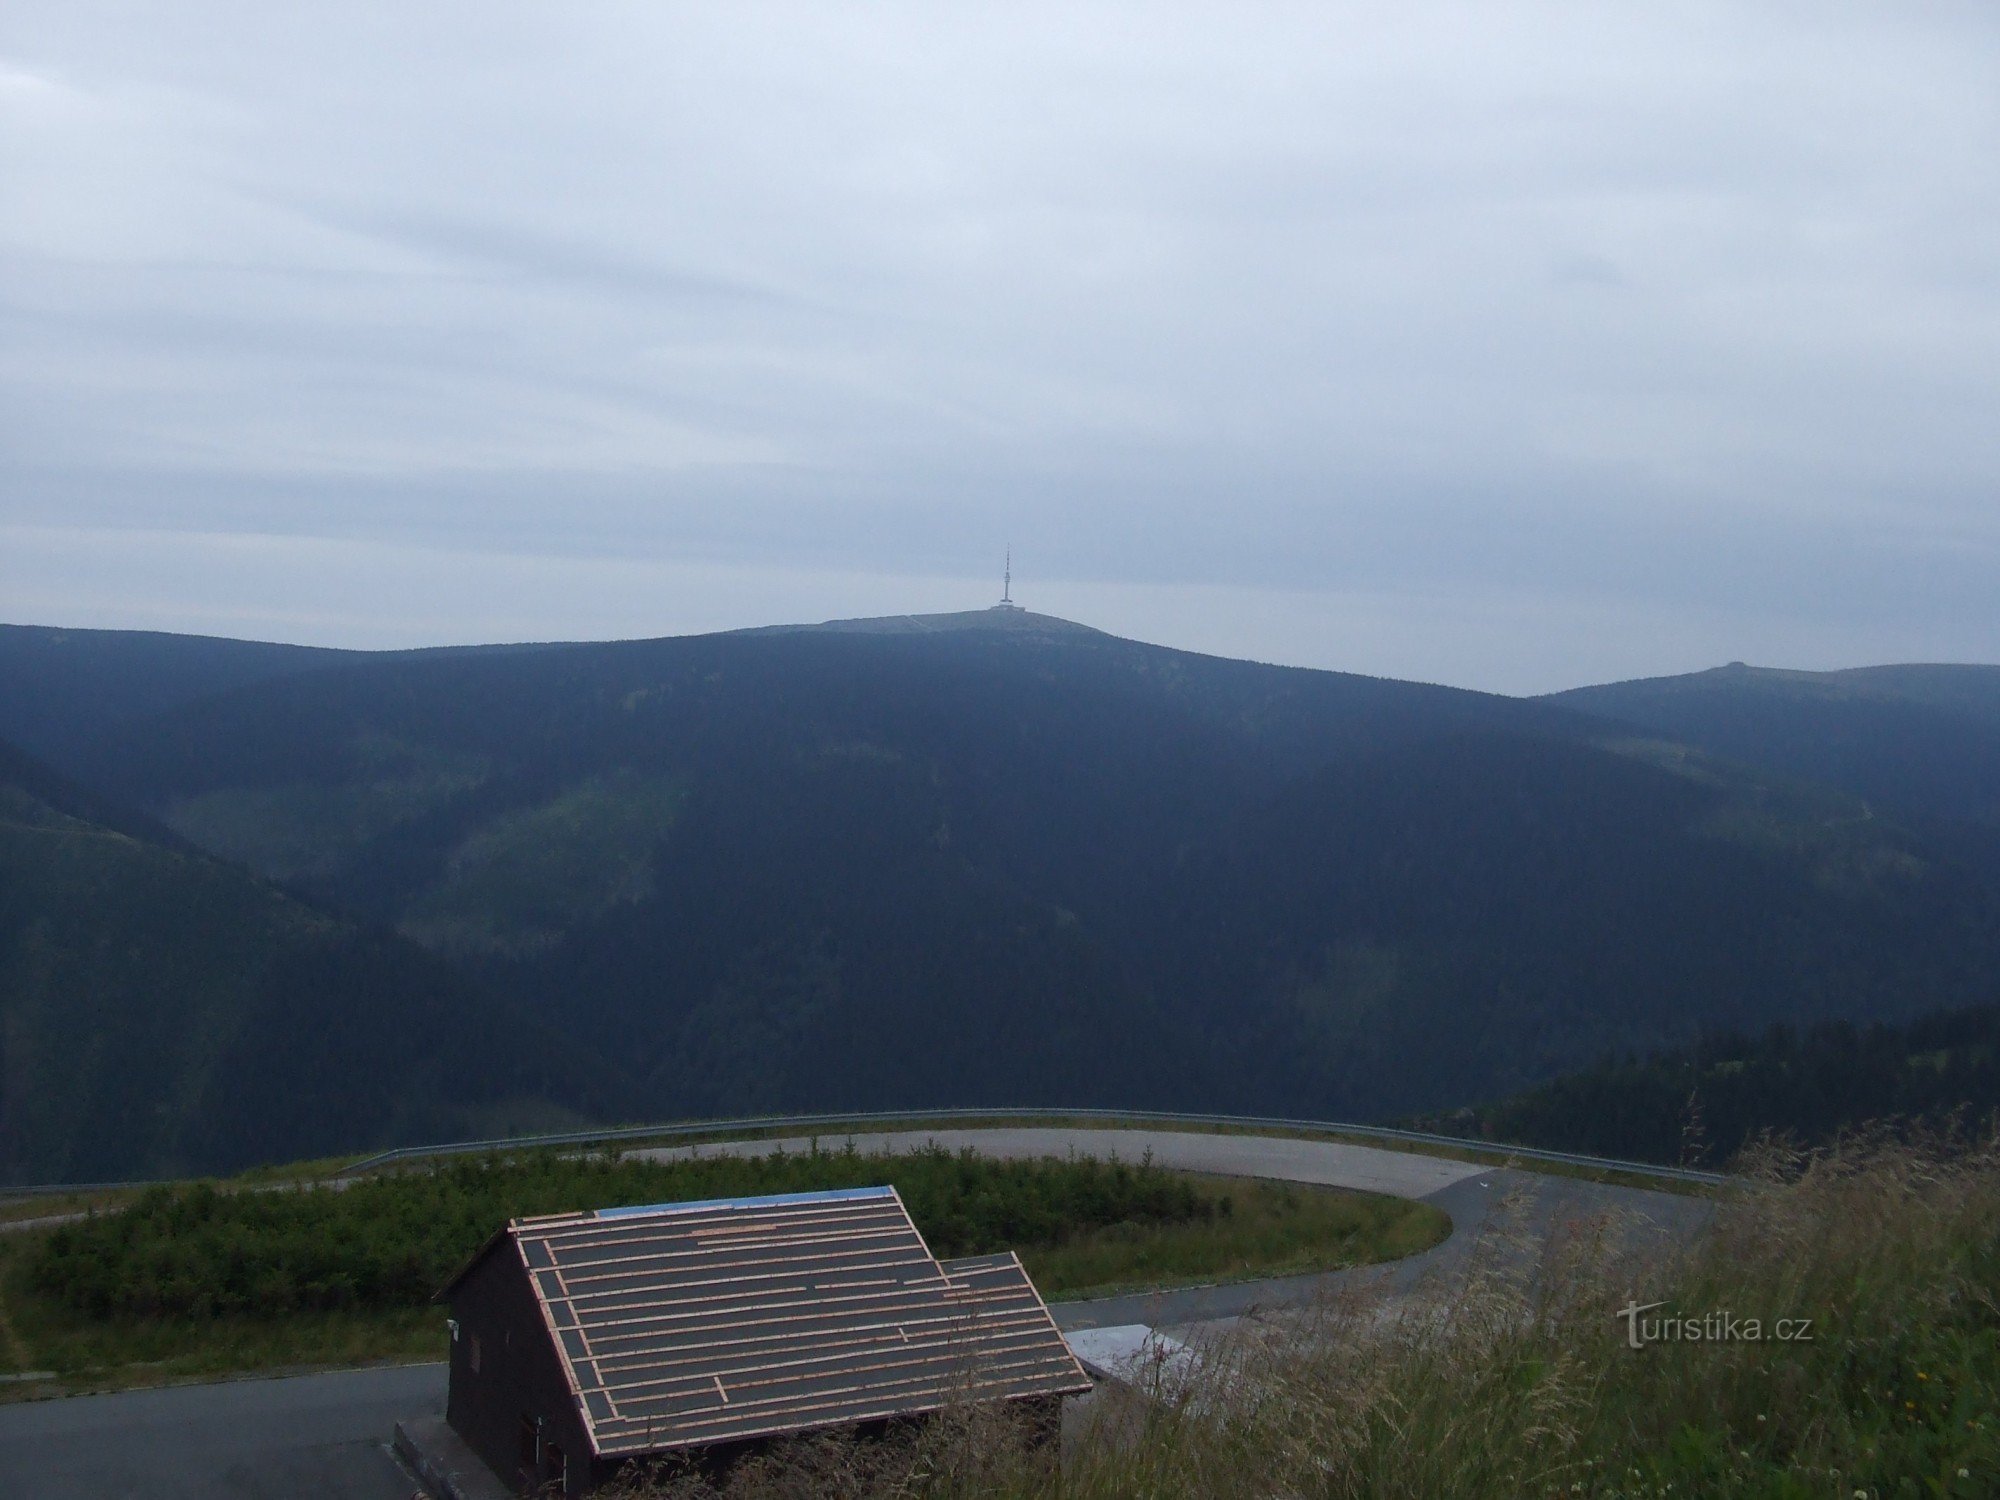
<point x="326" y="1435"/>
<point x="1404" y="1174"/>
<point x="321" y="1436"/>
<point x="1468" y="1193"/>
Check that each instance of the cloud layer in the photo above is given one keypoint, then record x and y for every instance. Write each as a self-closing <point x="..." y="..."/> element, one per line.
<point x="1510" y="346"/>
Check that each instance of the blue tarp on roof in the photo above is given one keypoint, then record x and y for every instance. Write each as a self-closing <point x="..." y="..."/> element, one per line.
<point x="830" y="1195"/>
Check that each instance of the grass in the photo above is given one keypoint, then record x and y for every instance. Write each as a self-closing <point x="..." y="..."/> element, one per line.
<point x="192" y="1283"/>
<point x="1517" y="1379"/>
<point x="524" y="877"/>
<point x="320" y="1169"/>
<point x="289" y="832"/>
<point x="89" y="1354"/>
<point x="51" y="1205"/>
<point x="1258" y="1229"/>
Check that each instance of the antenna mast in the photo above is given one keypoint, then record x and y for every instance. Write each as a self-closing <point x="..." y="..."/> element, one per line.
<point x="1007" y="584"/>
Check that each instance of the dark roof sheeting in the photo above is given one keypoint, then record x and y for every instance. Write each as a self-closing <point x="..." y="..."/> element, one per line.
<point x="687" y="1324"/>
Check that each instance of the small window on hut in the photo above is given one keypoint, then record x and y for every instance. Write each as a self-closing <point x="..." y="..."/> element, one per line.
<point x="473" y="1344"/>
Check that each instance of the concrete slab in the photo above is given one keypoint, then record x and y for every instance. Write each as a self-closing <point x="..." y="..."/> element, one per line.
<point x="438" y="1456"/>
<point x="1134" y="1353"/>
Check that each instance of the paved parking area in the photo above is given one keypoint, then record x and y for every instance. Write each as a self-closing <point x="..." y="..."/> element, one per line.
<point x="319" y="1436"/>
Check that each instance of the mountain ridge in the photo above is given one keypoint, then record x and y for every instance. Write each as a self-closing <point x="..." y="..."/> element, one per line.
<point x="993" y="857"/>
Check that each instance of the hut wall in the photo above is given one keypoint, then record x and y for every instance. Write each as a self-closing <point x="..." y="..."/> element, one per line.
<point x="515" y="1409"/>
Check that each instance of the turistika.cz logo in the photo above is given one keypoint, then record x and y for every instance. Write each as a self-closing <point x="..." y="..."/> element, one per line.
<point x="1719" y="1327"/>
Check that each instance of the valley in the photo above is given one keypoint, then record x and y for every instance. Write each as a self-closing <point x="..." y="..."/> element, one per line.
<point x="287" y="903"/>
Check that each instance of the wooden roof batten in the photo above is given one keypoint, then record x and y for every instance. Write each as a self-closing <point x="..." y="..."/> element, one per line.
<point x="685" y="1324"/>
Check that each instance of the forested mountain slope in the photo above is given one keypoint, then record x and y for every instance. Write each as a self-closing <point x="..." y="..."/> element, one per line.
<point x="63" y="691"/>
<point x="60" y="690"/>
<point x="1001" y="858"/>
<point x="163" y="1012"/>
<point x="1486" y="908"/>
<point x="1700" y="1105"/>
<point x="1918" y="739"/>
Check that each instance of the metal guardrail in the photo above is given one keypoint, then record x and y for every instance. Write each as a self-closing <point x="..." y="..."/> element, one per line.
<point x="692" y="1131"/>
<point x="724" y="1129"/>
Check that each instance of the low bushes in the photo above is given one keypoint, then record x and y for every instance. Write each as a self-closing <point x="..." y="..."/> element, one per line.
<point x="195" y="1252"/>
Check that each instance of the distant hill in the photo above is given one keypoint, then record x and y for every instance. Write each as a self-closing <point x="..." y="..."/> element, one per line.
<point x="1477" y="912"/>
<point x="1701" y="1104"/>
<point x="804" y="867"/>
<point x="1002" y="858"/>
<point x="61" y="689"/>
<point x="163" y="1012"/>
<point x="1916" y="739"/>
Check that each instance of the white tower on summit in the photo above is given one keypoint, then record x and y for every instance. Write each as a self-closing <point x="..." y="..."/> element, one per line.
<point x="1007" y="585"/>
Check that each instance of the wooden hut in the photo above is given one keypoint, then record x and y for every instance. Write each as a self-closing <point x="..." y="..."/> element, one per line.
<point x="583" y="1341"/>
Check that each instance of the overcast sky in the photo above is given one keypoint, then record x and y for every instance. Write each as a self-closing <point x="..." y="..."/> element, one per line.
<point x="1512" y="346"/>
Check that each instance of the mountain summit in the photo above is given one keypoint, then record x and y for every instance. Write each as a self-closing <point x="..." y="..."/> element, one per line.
<point x="991" y="857"/>
<point x="1008" y="617"/>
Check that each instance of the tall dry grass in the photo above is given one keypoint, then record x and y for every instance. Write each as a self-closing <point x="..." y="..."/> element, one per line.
<point x="1513" y="1377"/>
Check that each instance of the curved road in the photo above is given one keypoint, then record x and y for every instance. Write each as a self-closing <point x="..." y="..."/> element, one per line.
<point x="1465" y="1191"/>
<point x="325" y="1435"/>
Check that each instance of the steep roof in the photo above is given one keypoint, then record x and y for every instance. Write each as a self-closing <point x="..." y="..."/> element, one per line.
<point x="683" y="1324"/>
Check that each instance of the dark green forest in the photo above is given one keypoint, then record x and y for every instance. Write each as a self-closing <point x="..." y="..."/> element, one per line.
<point x="1699" y="1106"/>
<point x="1918" y="743"/>
<point x="166" y="1012"/>
<point x="967" y="860"/>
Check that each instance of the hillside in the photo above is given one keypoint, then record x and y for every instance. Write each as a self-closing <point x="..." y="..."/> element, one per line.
<point x="1701" y="1104"/>
<point x="1478" y="912"/>
<point x="1919" y="739"/>
<point x="840" y="867"/>
<point x="63" y="689"/>
<point x="1001" y="858"/>
<point x="163" y="1012"/>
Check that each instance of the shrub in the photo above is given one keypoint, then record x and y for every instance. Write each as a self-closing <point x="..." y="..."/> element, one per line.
<point x="194" y="1252"/>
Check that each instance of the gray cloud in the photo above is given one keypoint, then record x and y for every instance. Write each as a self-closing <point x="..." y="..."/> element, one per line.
<point x="1617" y="340"/>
